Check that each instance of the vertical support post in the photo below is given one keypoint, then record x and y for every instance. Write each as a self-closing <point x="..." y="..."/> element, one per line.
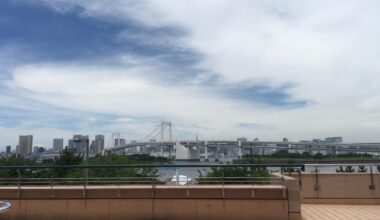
<point x="162" y="138"/>
<point x="153" y="186"/>
<point x="316" y="187"/>
<point x="118" y="187"/>
<point x="51" y="187"/>
<point x="177" y="176"/>
<point x="170" y="131"/>
<point x="372" y="186"/>
<point x="223" y="193"/>
<point x="162" y="131"/>
<point x="87" y="156"/>
<point x="19" y="184"/>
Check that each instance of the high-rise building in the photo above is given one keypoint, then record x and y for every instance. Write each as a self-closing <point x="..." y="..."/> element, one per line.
<point x="97" y="145"/>
<point x="25" y="143"/>
<point x="80" y="143"/>
<point x="8" y="150"/>
<point x="58" y="144"/>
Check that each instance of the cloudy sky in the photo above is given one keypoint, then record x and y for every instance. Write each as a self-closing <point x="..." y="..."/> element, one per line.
<point x="219" y="68"/>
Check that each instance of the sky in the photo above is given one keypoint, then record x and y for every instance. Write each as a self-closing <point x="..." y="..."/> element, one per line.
<point x="218" y="69"/>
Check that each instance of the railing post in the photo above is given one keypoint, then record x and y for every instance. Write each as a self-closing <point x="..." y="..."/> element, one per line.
<point x="19" y="184"/>
<point x="85" y="184"/>
<point x="372" y="186"/>
<point x="316" y="187"/>
<point x="51" y="187"/>
<point x="177" y="176"/>
<point x="153" y="186"/>
<point x="299" y="178"/>
<point x="223" y="193"/>
<point x="283" y="186"/>
<point x="118" y="187"/>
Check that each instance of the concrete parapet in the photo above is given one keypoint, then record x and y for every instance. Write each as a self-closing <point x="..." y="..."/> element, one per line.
<point x="341" y="188"/>
<point x="293" y="190"/>
<point x="210" y="202"/>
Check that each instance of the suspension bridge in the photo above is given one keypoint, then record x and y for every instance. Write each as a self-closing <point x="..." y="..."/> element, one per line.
<point x="169" y="146"/>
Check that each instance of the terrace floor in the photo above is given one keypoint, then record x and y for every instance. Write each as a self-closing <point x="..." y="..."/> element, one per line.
<point x="340" y="212"/>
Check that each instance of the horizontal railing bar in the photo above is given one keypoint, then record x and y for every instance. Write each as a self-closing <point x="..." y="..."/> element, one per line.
<point x="154" y="166"/>
<point x="344" y="164"/>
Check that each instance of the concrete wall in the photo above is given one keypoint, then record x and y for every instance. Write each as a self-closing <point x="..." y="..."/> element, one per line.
<point x="342" y="188"/>
<point x="162" y="202"/>
<point x="293" y="191"/>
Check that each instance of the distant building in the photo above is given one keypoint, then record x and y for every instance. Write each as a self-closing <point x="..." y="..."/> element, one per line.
<point x="57" y="144"/>
<point x="35" y="150"/>
<point x="8" y="150"/>
<point x="123" y="142"/>
<point x="80" y="143"/>
<point x="120" y="142"/>
<point x="334" y="139"/>
<point x="70" y="144"/>
<point x="25" y="143"/>
<point x="242" y="139"/>
<point x="97" y="145"/>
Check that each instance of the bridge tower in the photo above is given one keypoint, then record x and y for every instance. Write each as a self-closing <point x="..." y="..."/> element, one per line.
<point x="115" y="139"/>
<point x="163" y="125"/>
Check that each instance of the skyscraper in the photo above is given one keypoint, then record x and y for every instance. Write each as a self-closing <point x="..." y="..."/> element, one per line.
<point x="25" y="143"/>
<point x="8" y="150"/>
<point x="58" y="144"/>
<point x="97" y="145"/>
<point x="80" y="143"/>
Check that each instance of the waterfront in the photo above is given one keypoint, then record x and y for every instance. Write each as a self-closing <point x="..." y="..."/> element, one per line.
<point x="309" y="168"/>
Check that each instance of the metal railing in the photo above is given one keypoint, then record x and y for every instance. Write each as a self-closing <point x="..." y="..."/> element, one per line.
<point x="95" y="181"/>
<point x="154" y="179"/>
<point x="370" y="169"/>
<point x="341" y="168"/>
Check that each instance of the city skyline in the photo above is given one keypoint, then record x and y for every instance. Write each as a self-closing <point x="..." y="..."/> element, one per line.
<point x="216" y="69"/>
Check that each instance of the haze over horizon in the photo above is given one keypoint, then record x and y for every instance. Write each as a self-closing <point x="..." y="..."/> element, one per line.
<point x="224" y="69"/>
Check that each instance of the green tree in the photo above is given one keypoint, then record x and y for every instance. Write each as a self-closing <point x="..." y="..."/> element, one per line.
<point x="234" y="175"/>
<point x="66" y="158"/>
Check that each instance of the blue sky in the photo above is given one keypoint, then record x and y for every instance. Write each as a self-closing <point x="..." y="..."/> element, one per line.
<point x="224" y="69"/>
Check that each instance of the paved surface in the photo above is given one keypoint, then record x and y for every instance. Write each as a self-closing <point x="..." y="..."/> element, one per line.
<point x="340" y="212"/>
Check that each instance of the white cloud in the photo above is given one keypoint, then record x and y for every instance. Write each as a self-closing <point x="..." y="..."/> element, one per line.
<point x="327" y="50"/>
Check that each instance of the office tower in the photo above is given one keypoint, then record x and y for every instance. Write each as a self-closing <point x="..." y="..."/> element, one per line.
<point x="8" y="150"/>
<point x="97" y="145"/>
<point x="57" y="144"/>
<point x="25" y="143"/>
<point x="80" y="143"/>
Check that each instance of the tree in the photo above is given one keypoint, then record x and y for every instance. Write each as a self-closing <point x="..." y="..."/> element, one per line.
<point x="234" y="175"/>
<point x="67" y="158"/>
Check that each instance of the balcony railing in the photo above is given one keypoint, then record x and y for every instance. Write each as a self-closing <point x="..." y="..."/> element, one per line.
<point x="24" y="177"/>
